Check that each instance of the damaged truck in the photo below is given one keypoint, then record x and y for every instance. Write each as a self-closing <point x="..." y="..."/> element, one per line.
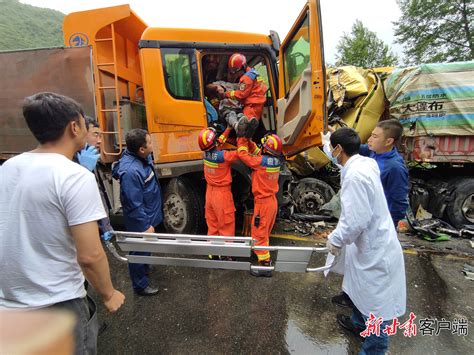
<point x="435" y="104"/>
<point x="129" y="75"/>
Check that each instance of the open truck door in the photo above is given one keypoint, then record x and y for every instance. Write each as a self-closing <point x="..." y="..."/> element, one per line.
<point x="302" y="93"/>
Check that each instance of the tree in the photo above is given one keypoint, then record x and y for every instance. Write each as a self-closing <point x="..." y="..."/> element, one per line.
<point x="436" y="30"/>
<point x="362" y="48"/>
<point x="25" y="26"/>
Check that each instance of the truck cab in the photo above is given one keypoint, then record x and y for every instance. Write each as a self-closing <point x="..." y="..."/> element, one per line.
<point x="155" y="78"/>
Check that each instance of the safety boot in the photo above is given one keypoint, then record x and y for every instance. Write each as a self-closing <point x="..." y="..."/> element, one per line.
<point x="241" y="126"/>
<point x="251" y="127"/>
<point x="262" y="273"/>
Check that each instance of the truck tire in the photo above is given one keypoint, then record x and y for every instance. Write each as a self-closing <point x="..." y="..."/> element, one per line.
<point x="460" y="209"/>
<point x="183" y="207"/>
<point x="310" y="194"/>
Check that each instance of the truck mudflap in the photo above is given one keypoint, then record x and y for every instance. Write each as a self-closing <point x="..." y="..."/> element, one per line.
<point x="182" y="249"/>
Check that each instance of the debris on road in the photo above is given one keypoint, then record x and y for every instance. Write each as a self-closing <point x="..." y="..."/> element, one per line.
<point x="434" y="229"/>
<point x="318" y="230"/>
<point x="468" y="272"/>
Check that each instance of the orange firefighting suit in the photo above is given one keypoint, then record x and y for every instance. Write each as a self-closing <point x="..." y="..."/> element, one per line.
<point x="251" y="94"/>
<point x="266" y="171"/>
<point x="220" y="209"/>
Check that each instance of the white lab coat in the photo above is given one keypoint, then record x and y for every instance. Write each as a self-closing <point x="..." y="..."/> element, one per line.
<point x="374" y="269"/>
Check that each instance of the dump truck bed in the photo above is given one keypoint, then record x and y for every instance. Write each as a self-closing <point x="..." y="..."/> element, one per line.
<point x="66" y="71"/>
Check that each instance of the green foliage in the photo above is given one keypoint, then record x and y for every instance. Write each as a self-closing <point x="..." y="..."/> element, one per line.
<point x="363" y="49"/>
<point x="25" y="26"/>
<point x="436" y="30"/>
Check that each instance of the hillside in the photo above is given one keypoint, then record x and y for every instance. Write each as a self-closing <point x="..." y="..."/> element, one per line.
<point x="25" y="26"/>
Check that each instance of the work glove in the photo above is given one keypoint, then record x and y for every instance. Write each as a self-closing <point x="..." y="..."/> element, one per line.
<point x="88" y="157"/>
<point x="334" y="250"/>
<point x="325" y="138"/>
<point x="107" y="236"/>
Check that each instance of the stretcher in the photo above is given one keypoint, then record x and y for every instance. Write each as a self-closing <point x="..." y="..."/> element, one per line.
<point x="193" y="251"/>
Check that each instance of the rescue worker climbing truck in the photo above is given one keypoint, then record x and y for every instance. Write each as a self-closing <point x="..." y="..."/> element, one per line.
<point x="129" y="76"/>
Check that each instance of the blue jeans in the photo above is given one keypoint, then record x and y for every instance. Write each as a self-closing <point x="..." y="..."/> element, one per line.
<point x="373" y="344"/>
<point x="139" y="272"/>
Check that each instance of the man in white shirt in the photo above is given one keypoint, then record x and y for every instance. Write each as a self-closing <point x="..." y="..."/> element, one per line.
<point x="374" y="269"/>
<point x="49" y="207"/>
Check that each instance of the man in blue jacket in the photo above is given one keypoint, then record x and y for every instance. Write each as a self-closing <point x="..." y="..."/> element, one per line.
<point x="141" y="199"/>
<point x="393" y="171"/>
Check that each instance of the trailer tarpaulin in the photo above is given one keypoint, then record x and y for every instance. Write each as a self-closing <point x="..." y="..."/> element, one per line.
<point x="433" y="99"/>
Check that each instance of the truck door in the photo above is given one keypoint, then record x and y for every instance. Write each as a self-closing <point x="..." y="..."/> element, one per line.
<point x="302" y="94"/>
<point x="174" y="106"/>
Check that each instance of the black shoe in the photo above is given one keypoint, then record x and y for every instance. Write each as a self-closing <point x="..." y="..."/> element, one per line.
<point x="342" y="300"/>
<point x="262" y="273"/>
<point x="346" y="323"/>
<point x="148" y="291"/>
<point x="251" y="127"/>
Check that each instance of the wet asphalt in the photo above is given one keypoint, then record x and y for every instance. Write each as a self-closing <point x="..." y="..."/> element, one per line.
<point x="204" y="311"/>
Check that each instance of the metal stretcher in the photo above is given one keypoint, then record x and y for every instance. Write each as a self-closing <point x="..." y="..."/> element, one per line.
<point x="182" y="249"/>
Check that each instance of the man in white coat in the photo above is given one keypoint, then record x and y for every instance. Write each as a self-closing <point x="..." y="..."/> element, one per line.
<point x="374" y="269"/>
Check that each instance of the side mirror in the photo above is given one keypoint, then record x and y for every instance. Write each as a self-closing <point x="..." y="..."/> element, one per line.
<point x="276" y="43"/>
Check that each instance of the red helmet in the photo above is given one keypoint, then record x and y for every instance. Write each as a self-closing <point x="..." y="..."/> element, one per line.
<point x="272" y="144"/>
<point x="207" y="138"/>
<point x="237" y="62"/>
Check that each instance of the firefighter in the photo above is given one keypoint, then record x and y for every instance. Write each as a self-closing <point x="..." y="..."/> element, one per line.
<point x="265" y="176"/>
<point x="251" y="92"/>
<point x="220" y="209"/>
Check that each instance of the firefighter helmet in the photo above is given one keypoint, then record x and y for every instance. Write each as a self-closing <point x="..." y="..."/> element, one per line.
<point x="272" y="144"/>
<point x="207" y="138"/>
<point x="237" y="62"/>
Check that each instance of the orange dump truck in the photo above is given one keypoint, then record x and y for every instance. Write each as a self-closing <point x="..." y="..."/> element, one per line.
<point x="129" y="75"/>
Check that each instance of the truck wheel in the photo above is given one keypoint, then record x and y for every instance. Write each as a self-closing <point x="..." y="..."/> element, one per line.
<point x="183" y="207"/>
<point x="460" y="210"/>
<point x="311" y="194"/>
